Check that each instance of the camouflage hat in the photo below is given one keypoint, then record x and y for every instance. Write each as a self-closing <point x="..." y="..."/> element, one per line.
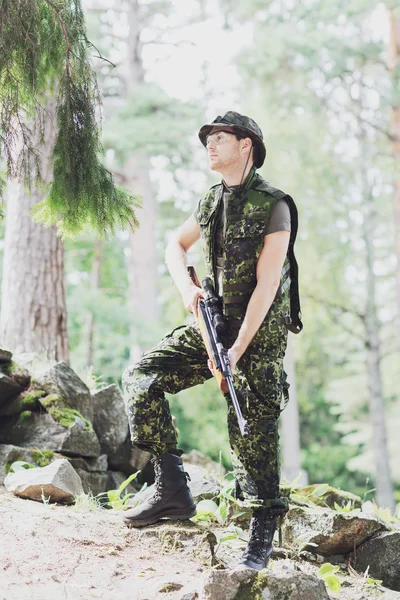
<point x="236" y="122"/>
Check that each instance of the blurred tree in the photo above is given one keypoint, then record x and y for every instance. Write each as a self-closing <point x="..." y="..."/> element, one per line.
<point x="312" y="67"/>
<point x="43" y="47"/>
<point x="49" y="98"/>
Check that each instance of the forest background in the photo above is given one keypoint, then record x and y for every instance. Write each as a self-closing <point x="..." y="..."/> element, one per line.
<point x="323" y="82"/>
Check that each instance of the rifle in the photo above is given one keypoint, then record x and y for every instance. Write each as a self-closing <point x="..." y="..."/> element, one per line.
<point x="211" y="325"/>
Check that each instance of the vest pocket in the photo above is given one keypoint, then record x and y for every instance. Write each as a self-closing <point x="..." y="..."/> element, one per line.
<point x="247" y="228"/>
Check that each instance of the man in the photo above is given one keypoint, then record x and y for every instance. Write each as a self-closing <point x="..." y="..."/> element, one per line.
<point x="248" y="230"/>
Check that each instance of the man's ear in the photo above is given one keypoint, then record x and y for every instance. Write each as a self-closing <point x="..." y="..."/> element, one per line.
<point x="248" y="143"/>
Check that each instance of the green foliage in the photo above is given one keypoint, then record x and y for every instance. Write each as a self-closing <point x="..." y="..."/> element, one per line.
<point x="222" y="509"/>
<point x="44" y="48"/>
<point x="115" y="498"/>
<point x="326" y="572"/>
<point x="42" y="457"/>
<point x="24" y="415"/>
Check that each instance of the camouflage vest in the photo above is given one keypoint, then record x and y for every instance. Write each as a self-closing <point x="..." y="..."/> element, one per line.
<point x="246" y="222"/>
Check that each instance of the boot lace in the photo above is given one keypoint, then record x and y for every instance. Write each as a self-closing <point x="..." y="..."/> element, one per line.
<point x="157" y="494"/>
<point x="257" y="535"/>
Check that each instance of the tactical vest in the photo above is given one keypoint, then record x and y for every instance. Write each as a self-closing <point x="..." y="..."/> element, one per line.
<point x="247" y="218"/>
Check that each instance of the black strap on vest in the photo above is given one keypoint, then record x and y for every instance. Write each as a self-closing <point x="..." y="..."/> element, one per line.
<point x="295" y="311"/>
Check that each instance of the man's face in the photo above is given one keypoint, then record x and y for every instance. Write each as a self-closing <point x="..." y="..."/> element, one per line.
<point x="223" y="150"/>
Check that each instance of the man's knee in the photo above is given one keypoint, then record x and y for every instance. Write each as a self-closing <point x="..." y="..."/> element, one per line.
<point x="136" y="383"/>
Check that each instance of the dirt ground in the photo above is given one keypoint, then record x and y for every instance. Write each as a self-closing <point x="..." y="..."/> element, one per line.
<point x="52" y="552"/>
<point x="62" y="552"/>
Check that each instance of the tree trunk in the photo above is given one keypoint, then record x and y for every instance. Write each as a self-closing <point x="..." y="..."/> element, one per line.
<point x="394" y="66"/>
<point x="291" y="425"/>
<point x="33" y="306"/>
<point x="384" y="489"/>
<point x="142" y="266"/>
<point x="95" y="284"/>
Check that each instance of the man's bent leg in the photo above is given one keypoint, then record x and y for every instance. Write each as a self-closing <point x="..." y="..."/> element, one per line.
<point x="179" y="361"/>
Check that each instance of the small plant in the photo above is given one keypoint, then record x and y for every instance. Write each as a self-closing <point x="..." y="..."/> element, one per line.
<point x="115" y="498"/>
<point x="94" y="382"/>
<point x="44" y="499"/>
<point x="219" y="509"/>
<point x="327" y="573"/>
<point x="371" y="580"/>
<point x="86" y="502"/>
<point x="346" y="508"/>
<point x="385" y="514"/>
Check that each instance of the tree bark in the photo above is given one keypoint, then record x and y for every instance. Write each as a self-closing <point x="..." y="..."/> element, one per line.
<point x="291" y="425"/>
<point x="33" y="305"/>
<point x="384" y="488"/>
<point x="142" y="266"/>
<point x="95" y="284"/>
<point x="394" y="66"/>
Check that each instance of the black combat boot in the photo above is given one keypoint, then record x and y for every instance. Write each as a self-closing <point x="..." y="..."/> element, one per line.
<point x="261" y="534"/>
<point x="172" y="497"/>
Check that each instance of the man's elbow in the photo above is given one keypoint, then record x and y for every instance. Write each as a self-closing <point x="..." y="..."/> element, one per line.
<point x="268" y="284"/>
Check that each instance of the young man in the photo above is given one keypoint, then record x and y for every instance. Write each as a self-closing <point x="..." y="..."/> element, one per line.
<point x="248" y="230"/>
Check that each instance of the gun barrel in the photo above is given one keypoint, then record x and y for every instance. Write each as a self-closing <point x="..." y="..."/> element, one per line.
<point x="241" y="421"/>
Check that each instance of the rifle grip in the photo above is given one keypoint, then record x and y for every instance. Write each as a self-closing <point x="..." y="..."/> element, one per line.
<point x="193" y="276"/>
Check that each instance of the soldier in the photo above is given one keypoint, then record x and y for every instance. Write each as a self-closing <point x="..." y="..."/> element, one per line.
<point x="248" y="229"/>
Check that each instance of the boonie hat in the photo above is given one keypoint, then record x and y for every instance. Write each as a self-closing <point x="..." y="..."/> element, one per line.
<point x="233" y="121"/>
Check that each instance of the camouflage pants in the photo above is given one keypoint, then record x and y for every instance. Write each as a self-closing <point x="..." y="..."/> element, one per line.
<point x="179" y="361"/>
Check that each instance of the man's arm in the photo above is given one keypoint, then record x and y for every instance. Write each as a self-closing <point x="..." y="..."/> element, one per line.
<point x="269" y="267"/>
<point x="176" y="259"/>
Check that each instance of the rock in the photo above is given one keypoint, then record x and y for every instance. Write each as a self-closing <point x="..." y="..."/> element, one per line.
<point x="58" y="482"/>
<point x="5" y="356"/>
<point x="202" y="486"/>
<point x="330" y="496"/>
<point x="8" y="388"/>
<point x="195" y="457"/>
<point x="171" y="586"/>
<point x="190" y="596"/>
<point x="91" y="465"/>
<point x="128" y="459"/>
<point x="19" y="374"/>
<point x="283" y="582"/>
<point x="62" y="381"/>
<point x="326" y="531"/>
<point x="110" y="420"/>
<point x="382" y="554"/>
<point x="41" y="430"/>
<point x="96" y="483"/>
<point x="33" y="456"/>
<point x="224" y="585"/>
<point x="28" y="400"/>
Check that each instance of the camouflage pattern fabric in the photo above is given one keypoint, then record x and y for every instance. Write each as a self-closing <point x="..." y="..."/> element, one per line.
<point x="179" y="361"/>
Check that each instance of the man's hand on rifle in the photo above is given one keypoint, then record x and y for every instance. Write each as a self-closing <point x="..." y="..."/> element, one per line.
<point x="190" y="298"/>
<point x="233" y="354"/>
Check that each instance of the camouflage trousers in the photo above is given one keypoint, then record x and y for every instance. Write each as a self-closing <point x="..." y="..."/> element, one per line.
<point x="179" y="361"/>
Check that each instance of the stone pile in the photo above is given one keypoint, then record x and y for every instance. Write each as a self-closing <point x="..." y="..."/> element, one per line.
<point x="55" y="416"/>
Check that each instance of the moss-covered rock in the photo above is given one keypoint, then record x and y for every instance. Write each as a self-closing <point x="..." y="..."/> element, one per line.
<point x="25" y="414"/>
<point x="25" y="401"/>
<point x="63" y="414"/>
<point x="19" y="374"/>
<point x="326" y="495"/>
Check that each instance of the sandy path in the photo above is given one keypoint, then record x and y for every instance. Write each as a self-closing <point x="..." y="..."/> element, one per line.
<point x="55" y="552"/>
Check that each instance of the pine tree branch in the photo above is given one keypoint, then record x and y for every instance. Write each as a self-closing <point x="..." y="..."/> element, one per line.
<point x="100" y="55"/>
<point x="65" y="35"/>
